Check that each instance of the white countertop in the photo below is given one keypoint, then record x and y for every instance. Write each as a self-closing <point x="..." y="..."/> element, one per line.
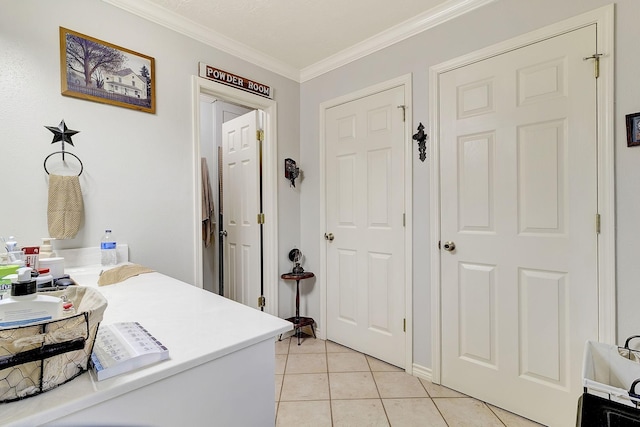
<point x="196" y="326"/>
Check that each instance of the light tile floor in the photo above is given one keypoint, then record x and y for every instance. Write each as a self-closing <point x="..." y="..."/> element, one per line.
<point x="321" y="383"/>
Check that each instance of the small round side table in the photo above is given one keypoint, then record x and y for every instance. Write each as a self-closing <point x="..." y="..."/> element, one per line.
<point x="298" y="321"/>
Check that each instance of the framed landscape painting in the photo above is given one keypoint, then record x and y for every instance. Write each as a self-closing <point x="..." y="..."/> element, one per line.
<point x="98" y="71"/>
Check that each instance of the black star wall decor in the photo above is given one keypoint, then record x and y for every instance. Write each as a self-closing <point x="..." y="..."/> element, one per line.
<point x="62" y="133"/>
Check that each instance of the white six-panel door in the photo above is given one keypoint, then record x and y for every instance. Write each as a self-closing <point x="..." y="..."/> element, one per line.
<point x="241" y="205"/>
<point x="365" y="203"/>
<point x="519" y="200"/>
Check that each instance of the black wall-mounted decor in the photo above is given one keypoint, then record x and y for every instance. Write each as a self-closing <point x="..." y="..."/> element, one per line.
<point x="291" y="171"/>
<point x="63" y="134"/>
<point x="633" y="129"/>
<point x="421" y="137"/>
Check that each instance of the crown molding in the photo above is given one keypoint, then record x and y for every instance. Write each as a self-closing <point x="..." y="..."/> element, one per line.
<point x="175" y="22"/>
<point x="422" y="22"/>
<point x="429" y="19"/>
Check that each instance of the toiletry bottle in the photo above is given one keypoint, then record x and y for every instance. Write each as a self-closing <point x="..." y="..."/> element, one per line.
<point x="108" y="249"/>
<point x="46" y="249"/>
<point x="6" y="274"/>
<point x="25" y="306"/>
<point x="14" y="254"/>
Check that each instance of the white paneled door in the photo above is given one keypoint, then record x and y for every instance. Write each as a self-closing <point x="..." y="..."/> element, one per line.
<point x="241" y="205"/>
<point x="519" y="202"/>
<point x="365" y="202"/>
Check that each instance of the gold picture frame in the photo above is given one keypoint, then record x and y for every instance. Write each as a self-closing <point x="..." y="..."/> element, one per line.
<point x="99" y="71"/>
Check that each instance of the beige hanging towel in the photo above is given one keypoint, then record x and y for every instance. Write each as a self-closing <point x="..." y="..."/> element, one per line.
<point x="66" y="208"/>
<point x="208" y="220"/>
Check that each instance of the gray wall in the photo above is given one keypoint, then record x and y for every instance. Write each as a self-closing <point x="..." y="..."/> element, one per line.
<point x="139" y="172"/>
<point x="496" y="22"/>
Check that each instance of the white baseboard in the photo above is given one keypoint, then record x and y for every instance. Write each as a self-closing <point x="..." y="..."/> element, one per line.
<point x="422" y="372"/>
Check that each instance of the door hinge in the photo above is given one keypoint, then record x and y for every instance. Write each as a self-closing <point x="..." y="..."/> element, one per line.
<point x="597" y="223"/>
<point x="260" y="135"/>
<point x="404" y="219"/>
<point x="262" y="301"/>
<point x="404" y="325"/>
<point x="404" y="112"/>
<point x="596" y="63"/>
<point x="260" y="218"/>
<point x="439" y="247"/>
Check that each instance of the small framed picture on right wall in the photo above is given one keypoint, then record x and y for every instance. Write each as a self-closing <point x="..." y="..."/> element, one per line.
<point x="633" y="129"/>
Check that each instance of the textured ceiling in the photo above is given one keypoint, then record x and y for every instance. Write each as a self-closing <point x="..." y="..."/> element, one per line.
<point x="298" y="33"/>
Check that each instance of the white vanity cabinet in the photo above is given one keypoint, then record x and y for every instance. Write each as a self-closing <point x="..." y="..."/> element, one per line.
<point x="220" y="370"/>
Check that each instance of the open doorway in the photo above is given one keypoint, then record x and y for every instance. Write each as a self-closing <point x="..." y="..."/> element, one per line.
<point x="206" y="94"/>
<point x="213" y="113"/>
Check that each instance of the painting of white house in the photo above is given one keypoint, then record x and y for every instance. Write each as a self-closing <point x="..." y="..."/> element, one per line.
<point x="98" y="71"/>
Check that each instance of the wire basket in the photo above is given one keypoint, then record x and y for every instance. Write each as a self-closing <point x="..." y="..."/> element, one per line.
<point x="612" y="372"/>
<point x="610" y="376"/>
<point x="37" y="358"/>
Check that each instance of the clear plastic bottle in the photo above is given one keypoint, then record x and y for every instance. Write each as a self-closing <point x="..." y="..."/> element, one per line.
<point x="108" y="249"/>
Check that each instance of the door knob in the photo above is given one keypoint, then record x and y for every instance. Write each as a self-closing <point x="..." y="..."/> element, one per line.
<point x="328" y="236"/>
<point x="223" y="233"/>
<point x="449" y="246"/>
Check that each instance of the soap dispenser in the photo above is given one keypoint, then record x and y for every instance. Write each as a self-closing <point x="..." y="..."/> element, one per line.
<point x="25" y="306"/>
<point x="46" y="250"/>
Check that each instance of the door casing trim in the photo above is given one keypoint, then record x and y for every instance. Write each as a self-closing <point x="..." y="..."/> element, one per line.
<point x="200" y="86"/>
<point x="604" y="18"/>
<point x="404" y="81"/>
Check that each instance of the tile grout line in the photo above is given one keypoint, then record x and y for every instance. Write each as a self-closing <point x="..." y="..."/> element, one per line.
<point x="434" y="403"/>
<point x="326" y="357"/>
<point x="282" y="384"/>
<point x="438" y="409"/>
<point x="494" y="413"/>
<point x="384" y="408"/>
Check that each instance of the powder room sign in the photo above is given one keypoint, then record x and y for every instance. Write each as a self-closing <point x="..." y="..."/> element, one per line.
<point x="230" y="79"/>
